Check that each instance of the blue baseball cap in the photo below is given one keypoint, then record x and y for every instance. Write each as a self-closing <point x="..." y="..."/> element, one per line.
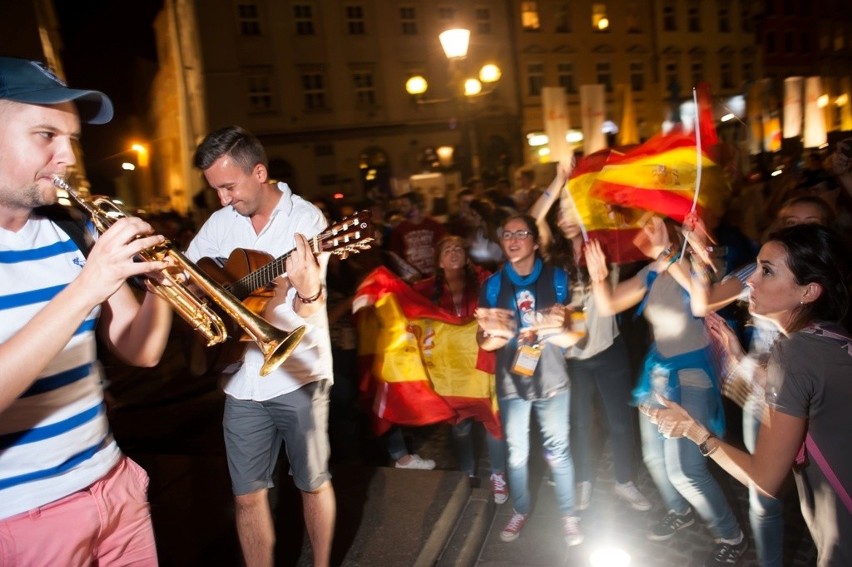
<point x="32" y="82"/>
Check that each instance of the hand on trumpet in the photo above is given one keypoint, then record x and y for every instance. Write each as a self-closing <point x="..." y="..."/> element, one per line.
<point x="114" y="257"/>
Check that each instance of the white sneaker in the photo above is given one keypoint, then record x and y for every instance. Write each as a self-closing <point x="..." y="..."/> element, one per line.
<point x="631" y="494"/>
<point x="571" y="530"/>
<point x="584" y="495"/>
<point x="415" y="462"/>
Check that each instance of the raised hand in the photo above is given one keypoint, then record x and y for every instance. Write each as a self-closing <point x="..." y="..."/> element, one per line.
<point x="303" y="269"/>
<point x="596" y="261"/>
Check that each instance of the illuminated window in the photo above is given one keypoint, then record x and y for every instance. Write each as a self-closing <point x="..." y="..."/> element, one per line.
<point x="600" y="23"/>
<point x="313" y="89"/>
<point x="249" y="19"/>
<point x="303" y="16"/>
<point x="669" y="16"/>
<point x="483" y="20"/>
<point x="529" y="16"/>
<point x="408" y="20"/>
<point x="565" y="72"/>
<point x="637" y="76"/>
<point x="259" y="92"/>
<point x="355" y="20"/>
<point x="535" y="78"/>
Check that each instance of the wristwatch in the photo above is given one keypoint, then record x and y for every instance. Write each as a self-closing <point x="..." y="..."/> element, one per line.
<point x="705" y="446"/>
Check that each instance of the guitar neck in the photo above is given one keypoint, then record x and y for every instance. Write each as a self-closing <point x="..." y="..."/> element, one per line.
<point x="264" y="275"/>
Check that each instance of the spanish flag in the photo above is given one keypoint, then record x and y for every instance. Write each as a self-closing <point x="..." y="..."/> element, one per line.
<point x="613" y="226"/>
<point x="660" y="175"/>
<point x="419" y="364"/>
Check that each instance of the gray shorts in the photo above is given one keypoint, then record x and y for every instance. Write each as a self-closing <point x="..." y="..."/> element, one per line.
<point x="254" y="432"/>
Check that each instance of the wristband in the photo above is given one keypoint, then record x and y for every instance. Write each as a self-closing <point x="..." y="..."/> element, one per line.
<point x="309" y="299"/>
<point x="704" y="447"/>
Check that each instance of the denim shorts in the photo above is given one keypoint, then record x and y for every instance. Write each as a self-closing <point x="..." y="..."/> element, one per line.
<point x="254" y="431"/>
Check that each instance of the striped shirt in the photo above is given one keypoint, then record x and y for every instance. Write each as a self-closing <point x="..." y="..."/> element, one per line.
<point x="54" y="439"/>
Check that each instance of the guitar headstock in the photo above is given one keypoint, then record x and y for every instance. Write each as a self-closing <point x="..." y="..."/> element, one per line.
<point x="350" y="235"/>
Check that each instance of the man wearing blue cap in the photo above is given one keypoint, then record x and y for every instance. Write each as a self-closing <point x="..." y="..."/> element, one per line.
<point x="68" y="496"/>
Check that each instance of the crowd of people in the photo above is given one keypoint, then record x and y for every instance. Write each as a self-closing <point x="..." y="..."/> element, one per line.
<point x="551" y="325"/>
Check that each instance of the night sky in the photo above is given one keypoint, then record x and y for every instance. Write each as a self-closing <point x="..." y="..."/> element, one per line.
<point x="109" y="45"/>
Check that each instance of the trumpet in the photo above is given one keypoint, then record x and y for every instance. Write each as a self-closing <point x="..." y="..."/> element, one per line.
<point x="275" y="344"/>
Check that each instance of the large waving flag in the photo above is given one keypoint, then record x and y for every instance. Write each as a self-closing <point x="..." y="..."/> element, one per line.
<point x="660" y="175"/>
<point x="419" y="364"/>
<point x="615" y="227"/>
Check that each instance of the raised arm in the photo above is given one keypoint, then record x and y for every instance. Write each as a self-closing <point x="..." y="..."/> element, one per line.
<point x="610" y="301"/>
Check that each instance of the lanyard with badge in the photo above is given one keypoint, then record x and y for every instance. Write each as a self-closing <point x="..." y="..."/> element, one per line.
<point x="529" y="347"/>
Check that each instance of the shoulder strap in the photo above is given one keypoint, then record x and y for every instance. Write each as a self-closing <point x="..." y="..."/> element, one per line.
<point x="560" y="284"/>
<point x="492" y="287"/>
<point x="71" y="222"/>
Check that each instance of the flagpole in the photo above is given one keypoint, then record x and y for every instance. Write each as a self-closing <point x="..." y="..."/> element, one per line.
<point x="698" y="161"/>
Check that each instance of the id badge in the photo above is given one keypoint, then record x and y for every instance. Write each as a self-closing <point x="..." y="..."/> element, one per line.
<point x="526" y="360"/>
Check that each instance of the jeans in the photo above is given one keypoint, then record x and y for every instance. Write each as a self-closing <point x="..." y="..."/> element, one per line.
<point x="608" y="372"/>
<point x="395" y="443"/>
<point x="551" y="415"/>
<point x="766" y="514"/>
<point x="680" y="470"/>
<point x="463" y="441"/>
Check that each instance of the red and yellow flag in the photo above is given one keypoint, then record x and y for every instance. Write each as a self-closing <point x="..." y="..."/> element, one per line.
<point x="419" y="364"/>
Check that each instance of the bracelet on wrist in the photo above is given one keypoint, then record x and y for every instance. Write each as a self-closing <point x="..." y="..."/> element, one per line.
<point x="309" y="299"/>
<point x="705" y="447"/>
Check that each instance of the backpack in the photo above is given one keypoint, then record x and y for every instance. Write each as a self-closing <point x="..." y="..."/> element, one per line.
<point x="560" y="284"/>
<point x="71" y="222"/>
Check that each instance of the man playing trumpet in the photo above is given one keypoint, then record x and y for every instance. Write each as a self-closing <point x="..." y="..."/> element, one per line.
<point x="68" y="496"/>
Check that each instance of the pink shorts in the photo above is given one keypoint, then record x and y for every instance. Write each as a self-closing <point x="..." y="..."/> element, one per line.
<point x="107" y="524"/>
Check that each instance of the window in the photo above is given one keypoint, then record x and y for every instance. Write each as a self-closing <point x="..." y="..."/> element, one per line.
<point x="565" y="72"/>
<point x="259" y="92"/>
<point x="483" y="20"/>
<point x="313" y="89"/>
<point x="748" y="71"/>
<point x="788" y="42"/>
<point x="446" y="14"/>
<point x="323" y="150"/>
<point x="562" y="16"/>
<point x="355" y="20"/>
<point x="248" y="18"/>
<point x="693" y="17"/>
<point x="789" y="7"/>
<point x="726" y="75"/>
<point x="535" y="78"/>
<point x="637" y="76"/>
<point x="669" y="16"/>
<point x="746" y="23"/>
<point x="408" y="20"/>
<point x="770" y="42"/>
<point x="600" y="23"/>
<point x="632" y="20"/>
<point x="529" y="16"/>
<point x="671" y="74"/>
<point x="696" y="70"/>
<point x="365" y="89"/>
<point x="303" y="16"/>
<point x="603" y="75"/>
<point x="806" y="42"/>
<point x="724" y="18"/>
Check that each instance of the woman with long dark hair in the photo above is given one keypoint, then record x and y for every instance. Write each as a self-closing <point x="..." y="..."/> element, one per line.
<point x="801" y="286"/>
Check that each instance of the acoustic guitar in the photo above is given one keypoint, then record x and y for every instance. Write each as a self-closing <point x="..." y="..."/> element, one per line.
<point x="249" y="275"/>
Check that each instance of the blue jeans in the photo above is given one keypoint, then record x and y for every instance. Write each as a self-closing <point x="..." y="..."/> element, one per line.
<point x="680" y="470"/>
<point x="463" y="441"/>
<point x="766" y="514"/>
<point x="552" y="417"/>
<point x="608" y="372"/>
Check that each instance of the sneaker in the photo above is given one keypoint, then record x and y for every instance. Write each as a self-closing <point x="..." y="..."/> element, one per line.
<point x="727" y="553"/>
<point x="514" y="527"/>
<point x="670" y="524"/>
<point x="571" y="529"/>
<point x="415" y="462"/>
<point x="628" y="492"/>
<point x="499" y="487"/>
<point x="584" y="495"/>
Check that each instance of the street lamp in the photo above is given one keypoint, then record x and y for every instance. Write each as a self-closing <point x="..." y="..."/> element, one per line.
<point x="455" y="43"/>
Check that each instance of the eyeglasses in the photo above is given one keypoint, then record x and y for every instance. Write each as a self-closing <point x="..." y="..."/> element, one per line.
<point x="518" y="234"/>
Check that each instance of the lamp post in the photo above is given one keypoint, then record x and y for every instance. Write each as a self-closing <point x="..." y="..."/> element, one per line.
<point x="465" y="89"/>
